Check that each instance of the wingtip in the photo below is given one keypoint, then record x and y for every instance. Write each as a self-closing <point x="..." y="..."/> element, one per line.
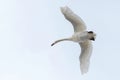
<point x="63" y="9"/>
<point x="84" y="68"/>
<point x="83" y="72"/>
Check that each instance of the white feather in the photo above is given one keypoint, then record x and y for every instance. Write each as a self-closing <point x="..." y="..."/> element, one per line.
<point x="76" y="21"/>
<point x="86" y="51"/>
<point x="80" y="36"/>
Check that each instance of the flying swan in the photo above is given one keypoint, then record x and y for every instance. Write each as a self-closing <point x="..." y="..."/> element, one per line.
<point x="80" y="36"/>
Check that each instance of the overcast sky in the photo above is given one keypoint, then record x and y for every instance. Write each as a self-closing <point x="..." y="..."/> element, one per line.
<point x="28" y="27"/>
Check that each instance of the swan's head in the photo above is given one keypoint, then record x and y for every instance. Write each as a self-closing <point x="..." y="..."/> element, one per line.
<point x="91" y="35"/>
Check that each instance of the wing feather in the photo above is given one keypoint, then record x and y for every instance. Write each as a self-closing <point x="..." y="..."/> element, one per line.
<point x="76" y="21"/>
<point x="86" y="51"/>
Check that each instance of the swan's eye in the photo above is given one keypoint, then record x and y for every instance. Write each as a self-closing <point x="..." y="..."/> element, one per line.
<point x="90" y="32"/>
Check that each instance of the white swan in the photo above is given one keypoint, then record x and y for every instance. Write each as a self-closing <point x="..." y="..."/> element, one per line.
<point x="80" y="36"/>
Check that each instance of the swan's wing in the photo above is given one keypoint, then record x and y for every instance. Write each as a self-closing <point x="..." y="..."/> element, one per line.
<point x="86" y="51"/>
<point x="76" y="21"/>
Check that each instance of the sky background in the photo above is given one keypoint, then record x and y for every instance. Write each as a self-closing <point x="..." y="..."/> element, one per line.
<point x="28" y="27"/>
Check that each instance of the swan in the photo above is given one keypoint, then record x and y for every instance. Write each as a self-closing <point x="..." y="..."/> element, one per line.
<point x="81" y="36"/>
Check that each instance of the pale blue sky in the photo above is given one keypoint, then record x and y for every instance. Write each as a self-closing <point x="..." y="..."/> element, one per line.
<point x="28" y="27"/>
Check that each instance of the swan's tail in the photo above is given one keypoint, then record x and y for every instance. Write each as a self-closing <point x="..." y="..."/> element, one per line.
<point x="66" y="39"/>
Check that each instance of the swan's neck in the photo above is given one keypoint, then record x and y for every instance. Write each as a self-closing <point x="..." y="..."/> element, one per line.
<point x="65" y="39"/>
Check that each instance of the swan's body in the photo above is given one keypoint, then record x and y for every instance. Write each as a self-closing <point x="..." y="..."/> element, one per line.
<point x="80" y="36"/>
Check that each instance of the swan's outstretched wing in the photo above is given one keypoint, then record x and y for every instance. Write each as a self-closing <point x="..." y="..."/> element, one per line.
<point x="86" y="50"/>
<point x="76" y="21"/>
